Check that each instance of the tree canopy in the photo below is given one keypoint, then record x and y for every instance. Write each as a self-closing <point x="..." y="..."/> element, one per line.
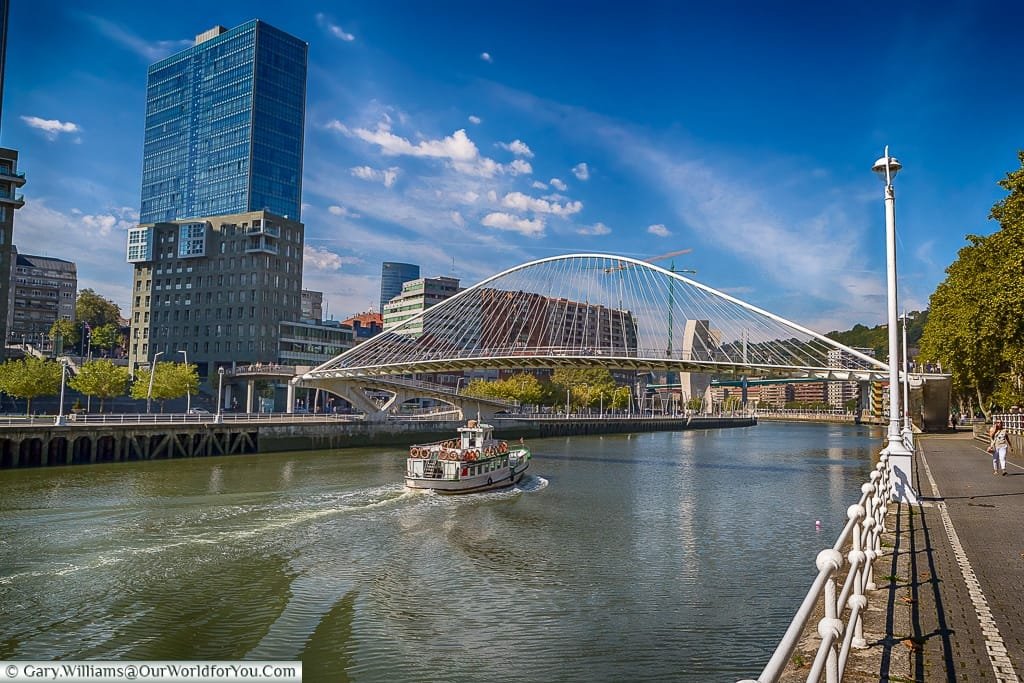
<point x="96" y="310"/>
<point x="172" y="380"/>
<point x="975" y="329"/>
<point x="101" y="378"/>
<point x="29" y="378"/>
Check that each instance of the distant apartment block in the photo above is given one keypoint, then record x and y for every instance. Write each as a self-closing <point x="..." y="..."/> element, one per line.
<point x="312" y="305"/>
<point x="45" y="290"/>
<point x="215" y="287"/>
<point x="365" y="325"/>
<point x="392" y="276"/>
<point x="841" y="392"/>
<point x="224" y="126"/>
<point x="417" y="296"/>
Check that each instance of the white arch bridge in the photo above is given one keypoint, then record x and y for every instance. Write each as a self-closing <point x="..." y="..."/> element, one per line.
<point x="587" y="310"/>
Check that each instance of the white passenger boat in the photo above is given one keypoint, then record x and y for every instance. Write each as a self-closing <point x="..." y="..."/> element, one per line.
<point x="474" y="462"/>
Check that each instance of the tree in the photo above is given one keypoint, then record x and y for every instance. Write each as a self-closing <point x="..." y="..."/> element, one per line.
<point x="586" y="386"/>
<point x="171" y="380"/>
<point x="29" y="378"/>
<point x="96" y="310"/>
<point x="975" y="327"/>
<point x="106" y="337"/>
<point x="101" y="378"/>
<point x="620" y="398"/>
<point x="63" y="334"/>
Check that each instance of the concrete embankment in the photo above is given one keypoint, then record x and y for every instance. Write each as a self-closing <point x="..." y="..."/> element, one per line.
<point x="72" y="444"/>
<point x="397" y="433"/>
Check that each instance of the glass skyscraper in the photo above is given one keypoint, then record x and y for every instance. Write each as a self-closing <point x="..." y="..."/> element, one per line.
<point x="224" y="126"/>
<point x="392" y="276"/>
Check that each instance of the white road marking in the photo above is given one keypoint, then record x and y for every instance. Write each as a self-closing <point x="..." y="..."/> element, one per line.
<point x="994" y="644"/>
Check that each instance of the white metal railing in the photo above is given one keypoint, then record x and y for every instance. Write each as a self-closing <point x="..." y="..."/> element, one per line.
<point x="1014" y="422"/>
<point x="169" y="418"/>
<point x="841" y="626"/>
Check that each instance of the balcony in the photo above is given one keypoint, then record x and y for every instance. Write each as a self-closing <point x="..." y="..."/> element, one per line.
<point x="260" y="245"/>
<point x="264" y="229"/>
<point x="12" y="199"/>
<point x="16" y="178"/>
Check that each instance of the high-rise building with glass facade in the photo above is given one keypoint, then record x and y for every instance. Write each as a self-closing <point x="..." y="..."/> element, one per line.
<point x="392" y="276"/>
<point x="224" y="126"/>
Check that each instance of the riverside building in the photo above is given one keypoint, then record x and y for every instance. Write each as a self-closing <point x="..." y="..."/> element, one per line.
<point x="392" y="276"/>
<point x="216" y="288"/>
<point x="45" y="291"/>
<point x="217" y="255"/>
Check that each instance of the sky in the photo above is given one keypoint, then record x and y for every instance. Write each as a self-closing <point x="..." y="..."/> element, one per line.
<point x="469" y="137"/>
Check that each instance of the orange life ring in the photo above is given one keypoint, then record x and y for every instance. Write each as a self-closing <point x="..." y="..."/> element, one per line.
<point x="503" y="447"/>
<point x="414" y="452"/>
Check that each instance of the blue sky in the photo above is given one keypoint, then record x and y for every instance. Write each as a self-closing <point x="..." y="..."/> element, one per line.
<point x="470" y="137"/>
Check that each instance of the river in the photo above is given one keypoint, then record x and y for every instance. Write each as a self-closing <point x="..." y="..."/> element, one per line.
<point x="659" y="556"/>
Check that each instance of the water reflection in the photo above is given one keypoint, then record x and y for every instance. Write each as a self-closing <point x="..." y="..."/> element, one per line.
<point x="635" y="557"/>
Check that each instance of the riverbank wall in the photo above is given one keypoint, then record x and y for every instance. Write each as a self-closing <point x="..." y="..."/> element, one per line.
<point x="42" y="446"/>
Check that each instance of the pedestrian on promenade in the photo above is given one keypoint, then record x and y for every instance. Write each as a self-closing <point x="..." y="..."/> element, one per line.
<point x="998" y="445"/>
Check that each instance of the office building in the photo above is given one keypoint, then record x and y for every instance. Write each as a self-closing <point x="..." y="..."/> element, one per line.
<point x="310" y="343"/>
<point x="11" y="180"/>
<point x="45" y="290"/>
<point x="216" y="287"/>
<point x="392" y="277"/>
<point x="312" y="305"/>
<point x="417" y="296"/>
<point x="224" y="126"/>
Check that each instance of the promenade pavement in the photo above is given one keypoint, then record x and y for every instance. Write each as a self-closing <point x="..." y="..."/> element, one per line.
<point x="955" y="607"/>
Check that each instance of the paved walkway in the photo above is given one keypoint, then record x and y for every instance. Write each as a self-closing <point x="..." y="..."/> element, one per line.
<point x="956" y="602"/>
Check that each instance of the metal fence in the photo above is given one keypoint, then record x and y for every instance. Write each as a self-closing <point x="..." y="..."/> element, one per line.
<point x="1014" y="422"/>
<point x="841" y="626"/>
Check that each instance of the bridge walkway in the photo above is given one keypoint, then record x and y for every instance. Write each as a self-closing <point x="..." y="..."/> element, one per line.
<point x="959" y="567"/>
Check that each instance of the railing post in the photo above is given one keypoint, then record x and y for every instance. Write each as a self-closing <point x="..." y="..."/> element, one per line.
<point x="858" y="557"/>
<point x="830" y="627"/>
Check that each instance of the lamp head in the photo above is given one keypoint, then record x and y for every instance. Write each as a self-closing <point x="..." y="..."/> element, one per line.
<point x="220" y="371"/>
<point x="885" y="163"/>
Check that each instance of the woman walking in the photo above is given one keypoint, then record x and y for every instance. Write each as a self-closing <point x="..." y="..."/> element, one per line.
<point x="998" y="445"/>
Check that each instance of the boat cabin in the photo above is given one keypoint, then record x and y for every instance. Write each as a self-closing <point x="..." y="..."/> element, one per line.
<point x="474" y="435"/>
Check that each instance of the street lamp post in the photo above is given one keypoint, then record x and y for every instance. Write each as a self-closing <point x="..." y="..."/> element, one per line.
<point x="188" y="392"/>
<point x="152" y="374"/>
<point x="59" y="420"/>
<point x="898" y="455"/>
<point x="220" y="387"/>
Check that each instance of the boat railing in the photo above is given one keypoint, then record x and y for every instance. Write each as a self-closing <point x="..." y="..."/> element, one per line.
<point x="841" y="627"/>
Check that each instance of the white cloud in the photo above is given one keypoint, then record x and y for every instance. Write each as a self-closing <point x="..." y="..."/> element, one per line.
<point x="517" y="147"/>
<point x="523" y="202"/>
<point x="51" y="128"/>
<point x="325" y="23"/>
<point x="595" y="229"/>
<point x="486" y="56"/>
<point x="150" y="50"/>
<point x="581" y="171"/>
<point x="342" y="211"/>
<point x="506" y="221"/>
<point x="95" y="241"/>
<point x="520" y="167"/>
<point x="475" y="120"/>
<point x="558" y="185"/>
<point x="320" y="259"/>
<point x="457" y="149"/>
<point x="659" y="230"/>
<point x="538" y="185"/>
<point x="387" y="176"/>
<point x="458" y="219"/>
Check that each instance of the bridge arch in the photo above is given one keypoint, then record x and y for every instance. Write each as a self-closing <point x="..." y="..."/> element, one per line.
<point x="592" y="309"/>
